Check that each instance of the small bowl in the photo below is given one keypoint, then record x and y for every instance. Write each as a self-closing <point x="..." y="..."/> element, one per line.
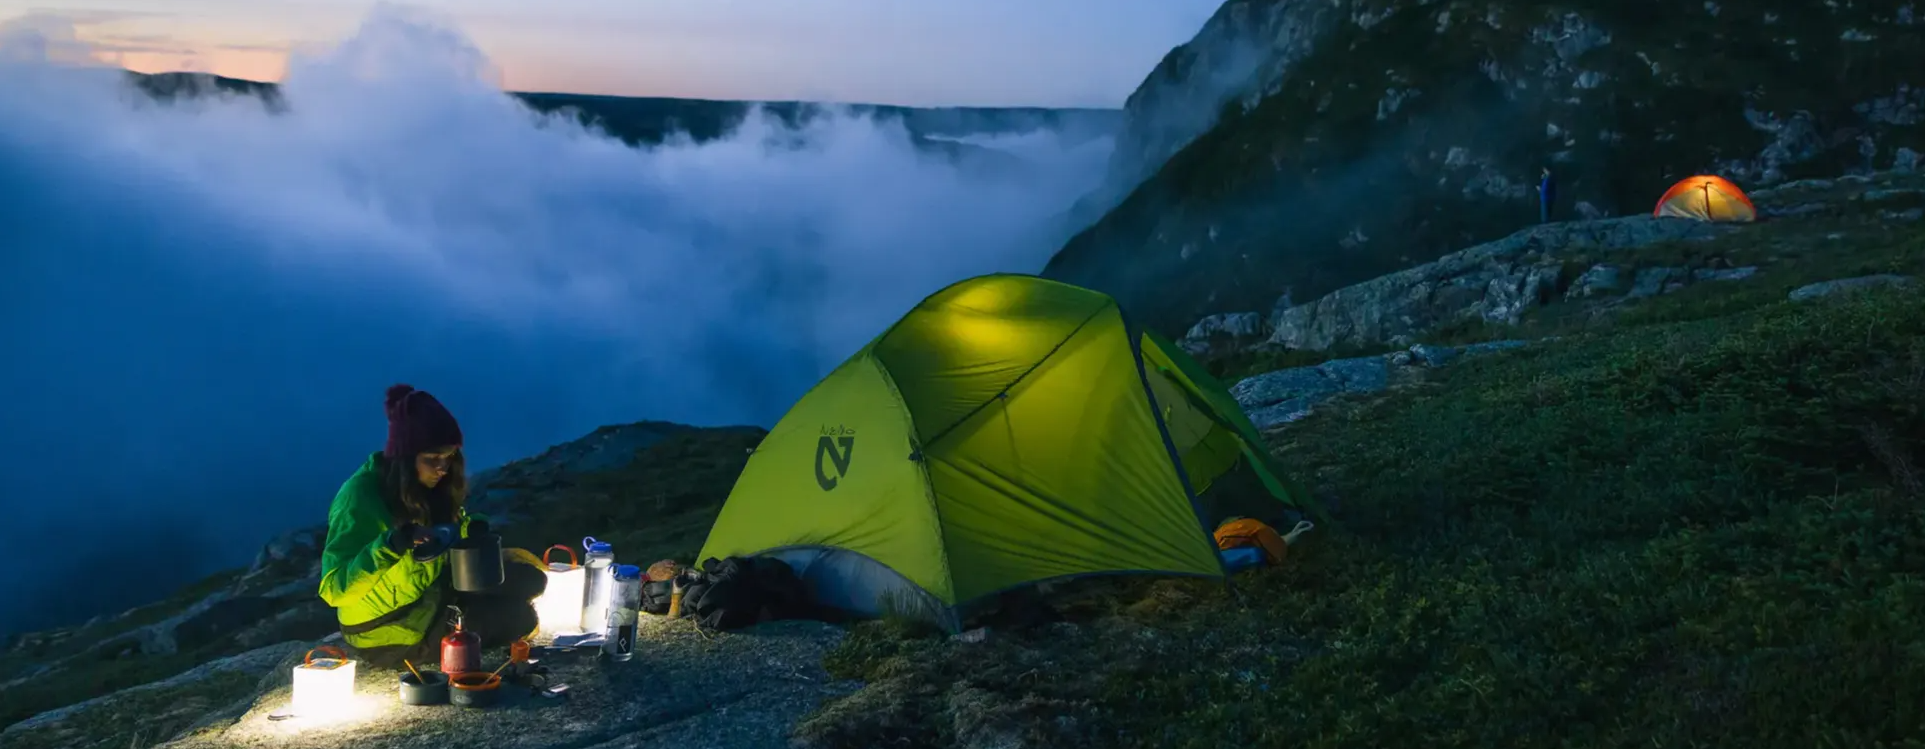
<point x="474" y="689"/>
<point x="431" y="689"/>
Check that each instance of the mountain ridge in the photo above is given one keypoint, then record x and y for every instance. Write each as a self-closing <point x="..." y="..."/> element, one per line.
<point x="1372" y="135"/>
<point x="652" y="119"/>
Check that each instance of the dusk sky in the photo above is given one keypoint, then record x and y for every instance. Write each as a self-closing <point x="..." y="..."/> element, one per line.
<point x="913" y="52"/>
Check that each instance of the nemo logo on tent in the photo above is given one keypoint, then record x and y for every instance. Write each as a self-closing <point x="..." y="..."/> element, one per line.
<point x="836" y="447"/>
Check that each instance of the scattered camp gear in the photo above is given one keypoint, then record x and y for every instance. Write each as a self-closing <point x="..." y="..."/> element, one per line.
<point x="461" y="649"/>
<point x="1008" y="430"/>
<point x="597" y="559"/>
<point x="1242" y="532"/>
<point x="520" y="664"/>
<point x="424" y="688"/>
<point x="474" y="689"/>
<point x="662" y="570"/>
<point x="676" y="598"/>
<point x="1236" y="536"/>
<point x="476" y="563"/>
<point x="1242" y="558"/>
<point x="741" y="591"/>
<point x="619" y="640"/>
<point x="1707" y="198"/>
<point x="323" y="686"/>
<point x="657" y="595"/>
<point x="559" y="608"/>
<point x="661" y="595"/>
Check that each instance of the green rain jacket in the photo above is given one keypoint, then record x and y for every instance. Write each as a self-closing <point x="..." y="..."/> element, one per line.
<point x="385" y="600"/>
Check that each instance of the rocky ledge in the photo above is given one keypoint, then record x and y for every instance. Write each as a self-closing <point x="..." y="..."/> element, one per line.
<point x="1499" y="281"/>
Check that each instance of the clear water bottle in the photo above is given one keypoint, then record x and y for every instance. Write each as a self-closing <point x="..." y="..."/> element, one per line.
<point x="599" y="560"/>
<point x="619" y="642"/>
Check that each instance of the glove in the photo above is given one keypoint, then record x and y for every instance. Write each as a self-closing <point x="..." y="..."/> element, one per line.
<point x="478" y="527"/>
<point x="406" y="536"/>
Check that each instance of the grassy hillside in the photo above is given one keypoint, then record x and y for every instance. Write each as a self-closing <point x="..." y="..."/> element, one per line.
<point x="1831" y="229"/>
<point x="1693" y="522"/>
<point x="1409" y="130"/>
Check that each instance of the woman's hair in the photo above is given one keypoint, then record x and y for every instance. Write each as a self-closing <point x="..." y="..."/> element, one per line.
<point x="410" y="500"/>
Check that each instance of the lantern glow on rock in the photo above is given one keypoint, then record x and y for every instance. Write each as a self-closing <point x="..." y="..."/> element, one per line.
<point x="559" y="608"/>
<point x="324" y="686"/>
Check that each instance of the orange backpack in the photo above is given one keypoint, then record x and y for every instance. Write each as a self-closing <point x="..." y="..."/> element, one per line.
<point x="1238" y="532"/>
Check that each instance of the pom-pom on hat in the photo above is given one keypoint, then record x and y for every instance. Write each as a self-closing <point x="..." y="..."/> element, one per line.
<point x="417" y="422"/>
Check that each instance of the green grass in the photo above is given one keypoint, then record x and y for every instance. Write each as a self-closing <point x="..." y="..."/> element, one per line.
<point x="1700" y="532"/>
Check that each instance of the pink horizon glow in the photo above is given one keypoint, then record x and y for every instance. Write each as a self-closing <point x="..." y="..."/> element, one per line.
<point x="1078" y="53"/>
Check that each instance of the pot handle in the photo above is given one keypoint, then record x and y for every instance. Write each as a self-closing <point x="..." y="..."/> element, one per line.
<point x="573" y="563"/>
<point x="309" y="659"/>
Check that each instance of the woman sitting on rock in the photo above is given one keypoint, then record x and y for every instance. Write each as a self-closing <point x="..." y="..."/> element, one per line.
<point x="383" y="567"/>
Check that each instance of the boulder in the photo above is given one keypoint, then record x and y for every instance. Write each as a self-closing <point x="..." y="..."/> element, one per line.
<point x="1599" y="280"/>
<point x="1656" y="281"/>
<point x="1725" y="274"/>
<point x="1234" y="330"/>
<point x="1495" y="282"/>
<point x="1277" y="398"/>
<point x="1850" y="285"/>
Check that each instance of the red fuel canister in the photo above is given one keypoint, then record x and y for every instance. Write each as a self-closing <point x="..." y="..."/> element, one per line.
<point x="461" y="650"/>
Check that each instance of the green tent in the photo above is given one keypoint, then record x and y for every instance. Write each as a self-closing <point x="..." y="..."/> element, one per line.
<point x="1008" y="430"/>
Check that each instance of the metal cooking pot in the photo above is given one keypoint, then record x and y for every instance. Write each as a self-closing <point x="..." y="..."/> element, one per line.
<point x="476" y="563"/>
<point x="474" y="689"/>
<point x="431" y="689"/>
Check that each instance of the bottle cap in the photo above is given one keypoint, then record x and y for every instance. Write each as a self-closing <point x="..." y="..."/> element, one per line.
<point x="628" y="572"/>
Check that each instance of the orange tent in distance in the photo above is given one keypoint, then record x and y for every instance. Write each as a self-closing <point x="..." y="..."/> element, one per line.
<point x="1705" y="197"/>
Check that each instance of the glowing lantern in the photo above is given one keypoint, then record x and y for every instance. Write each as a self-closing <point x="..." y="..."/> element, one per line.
<point x="559" y="608"/>
<point x="324" y="686"/>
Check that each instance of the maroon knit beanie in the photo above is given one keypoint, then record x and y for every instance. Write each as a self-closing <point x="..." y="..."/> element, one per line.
<point x="417" y="422"/>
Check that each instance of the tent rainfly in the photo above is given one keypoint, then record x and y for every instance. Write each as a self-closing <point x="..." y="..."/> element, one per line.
<point x="1707" y="198"/>
<point x="1008" y="430"/>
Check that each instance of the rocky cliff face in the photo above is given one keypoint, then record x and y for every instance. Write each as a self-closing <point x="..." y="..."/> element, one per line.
<point x="1339" y="140"/>
<point x="1183" y="95"/>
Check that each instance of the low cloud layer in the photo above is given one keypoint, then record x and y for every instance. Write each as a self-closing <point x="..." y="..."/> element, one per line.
<point x="201" y="303"/>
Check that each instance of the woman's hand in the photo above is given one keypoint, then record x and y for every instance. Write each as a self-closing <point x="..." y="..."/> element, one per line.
<point x="408" y="536"/>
